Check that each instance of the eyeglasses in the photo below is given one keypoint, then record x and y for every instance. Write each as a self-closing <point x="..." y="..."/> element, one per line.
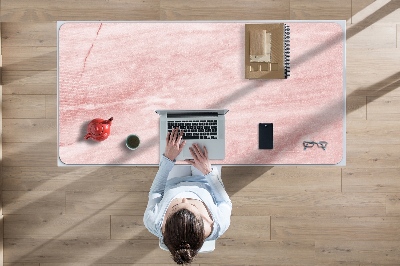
<point x="310" y="144"/>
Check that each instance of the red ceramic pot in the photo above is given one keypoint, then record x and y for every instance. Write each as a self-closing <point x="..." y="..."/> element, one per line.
<point x="98" y="129"/>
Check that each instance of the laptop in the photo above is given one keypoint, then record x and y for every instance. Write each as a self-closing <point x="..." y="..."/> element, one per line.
<point x="204" y="127"/>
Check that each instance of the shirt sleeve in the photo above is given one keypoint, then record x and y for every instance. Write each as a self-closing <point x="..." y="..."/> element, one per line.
<point x="156" y="194"/>
<point x="222" y="199"/>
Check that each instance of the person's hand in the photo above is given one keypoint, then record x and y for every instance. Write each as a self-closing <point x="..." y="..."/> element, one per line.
<point x="174" y="144"/>
<point x="200" y="159"/>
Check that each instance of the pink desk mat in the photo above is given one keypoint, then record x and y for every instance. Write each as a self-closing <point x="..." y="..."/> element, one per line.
<point x="127" y="70"/>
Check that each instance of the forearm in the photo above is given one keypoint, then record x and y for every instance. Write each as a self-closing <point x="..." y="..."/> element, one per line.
<point x="217" y="186"/>
<point x="160" y="179"/>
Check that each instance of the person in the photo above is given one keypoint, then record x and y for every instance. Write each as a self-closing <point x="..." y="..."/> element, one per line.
<point x="186" y="210"/>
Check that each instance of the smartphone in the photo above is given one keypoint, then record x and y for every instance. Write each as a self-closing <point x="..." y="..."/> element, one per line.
<point x="265" y="136"/>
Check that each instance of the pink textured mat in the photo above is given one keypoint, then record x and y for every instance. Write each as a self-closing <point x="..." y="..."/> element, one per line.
<point x="128" y="70"/>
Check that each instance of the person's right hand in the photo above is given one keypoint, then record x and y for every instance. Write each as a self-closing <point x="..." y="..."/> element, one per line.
<point x="200" y="159"/>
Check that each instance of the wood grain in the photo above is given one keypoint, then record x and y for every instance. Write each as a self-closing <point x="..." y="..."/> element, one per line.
<point x="30" y="82"/>
<point x="50" y="226"/>
<point x="393" y="204"/>
<point x="30" y="154"/>
<point x="33" y="202"/>
<point x="30" y="58"/>
<point x="309" y="204"/>
<point x="275" y="179"/>
<point x="333" y="228"/>
<point x="383" y="108"/>
<point x="107" y="203"/>
<point x="369" y="155"/>
<point x="373" y="131"/>
<point x="42" y="11"/>
<point x="129" y="227"/>
<point x="363" y="252"/>
<point x="325" y="9"/>
<point x="24" y="106"/>
<point x="365" y="80"/>
<point x="381" y="180"/>
<point x="356" y="108"/>
<point x="29" y="130"/>
<point x="29" y="34"/>
<point x="359" y="6"/>
<point x="223" y="10"/>
<point x="80" y="179"/>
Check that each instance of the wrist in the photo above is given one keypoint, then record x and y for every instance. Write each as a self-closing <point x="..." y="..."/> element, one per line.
<point x="207" y="171"/>
<point x="169" y="158"/>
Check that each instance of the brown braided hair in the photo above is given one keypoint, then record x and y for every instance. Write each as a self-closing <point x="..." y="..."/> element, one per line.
<point x="184" y="235"/>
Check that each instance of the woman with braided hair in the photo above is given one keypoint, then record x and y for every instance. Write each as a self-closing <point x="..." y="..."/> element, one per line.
<point x="187" y="207"/>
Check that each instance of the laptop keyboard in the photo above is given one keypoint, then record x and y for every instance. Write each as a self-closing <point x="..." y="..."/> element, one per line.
<point x="196" y="129"/>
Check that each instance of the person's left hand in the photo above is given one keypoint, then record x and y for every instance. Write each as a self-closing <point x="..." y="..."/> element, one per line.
<point x="174" y="144"/>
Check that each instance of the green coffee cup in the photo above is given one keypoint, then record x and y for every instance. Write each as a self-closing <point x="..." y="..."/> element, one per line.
<point x="132" y="142"/>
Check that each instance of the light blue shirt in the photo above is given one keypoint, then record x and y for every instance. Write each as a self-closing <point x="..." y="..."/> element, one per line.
<point x="209" y="188"/>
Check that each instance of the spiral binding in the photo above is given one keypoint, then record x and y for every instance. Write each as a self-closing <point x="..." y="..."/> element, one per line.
<point x="287" y="51"/>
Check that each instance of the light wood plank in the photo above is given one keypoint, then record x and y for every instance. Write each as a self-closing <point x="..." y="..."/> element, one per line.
<point x="372" y="72"/>
<point x="325" y="9"/>
<point x="249" y="227"/>
<point x="29" y="130"/>
<point x="384" y="36"/>
<point x="260" y="252"/>
<point x="15" y="53"/>
<point x="24" y="106"/>
<point x="375" y="12"/>
<point x="51" y="106"/>
<point x="364" y="252"/>
<point x="376" y="18"/>
<point x="30" y="58"/>
<point x="30" y="82"/>
<point x="129" y="227"/>
<point x="42" y="11"/>
<point x="30" y="154"/>
<point x="369" y="155"/>
<point x="33" y="202"/>
<point x="50" y="226"/>
<point x="21" y="264"/>
<point x="384" y="108"/>
<point x="119" y="179"/>
<point x="147" y="251"/>
<point x="284" y="179"/>
<point x="366" y="180"/>
<point x="223" y="9"/>
<point x="358" y="6"/>
<point x="335" y="228"/>
<point x="91" y="252"/>
<point x="309" y="204"/>
<point x="356" y="108"/>
<point x="29" y="34"/>
<point x="107" y="203"/>
<point x="373" y="132"/>
<point x="393" y="204"/>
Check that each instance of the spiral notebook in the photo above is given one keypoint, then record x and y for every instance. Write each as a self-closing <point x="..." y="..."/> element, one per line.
<point x="267" y="51"/>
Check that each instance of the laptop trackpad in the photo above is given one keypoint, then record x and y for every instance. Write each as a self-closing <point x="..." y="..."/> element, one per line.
<point x="215" y="149"/>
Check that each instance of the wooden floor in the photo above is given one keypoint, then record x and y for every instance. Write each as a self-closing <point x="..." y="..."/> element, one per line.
<point x="281" y="215"/>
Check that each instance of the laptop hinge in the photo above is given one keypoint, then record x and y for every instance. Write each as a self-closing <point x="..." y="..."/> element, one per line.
<point x="195" y="114"/>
